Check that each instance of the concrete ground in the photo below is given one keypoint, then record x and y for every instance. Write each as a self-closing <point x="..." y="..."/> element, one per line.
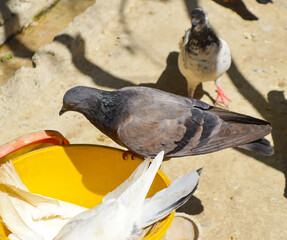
<point x="16" y="15"/>
<point x="113" y="44"/>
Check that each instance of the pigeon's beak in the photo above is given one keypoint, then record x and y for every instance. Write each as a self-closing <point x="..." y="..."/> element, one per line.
<point x="63" y="110"/>
<point x="193" y="26"/>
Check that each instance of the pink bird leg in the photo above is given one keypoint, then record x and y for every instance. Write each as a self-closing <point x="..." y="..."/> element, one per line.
<point x="220" y="94"/>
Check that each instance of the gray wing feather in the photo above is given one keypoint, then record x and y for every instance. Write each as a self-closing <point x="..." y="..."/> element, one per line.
<point x="169" y="199"/>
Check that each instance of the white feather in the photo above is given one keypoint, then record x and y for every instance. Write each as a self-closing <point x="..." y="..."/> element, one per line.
<point x="130" y="181"/>
<point x="168" y="199"/>
<point x="125" y="212"/>
<point x="121" y="216"/>
<point x="30" y="216"/>
<point x="114" y="218"/>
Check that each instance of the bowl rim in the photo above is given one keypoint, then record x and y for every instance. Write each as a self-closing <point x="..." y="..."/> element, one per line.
<point x="158" y="231"/>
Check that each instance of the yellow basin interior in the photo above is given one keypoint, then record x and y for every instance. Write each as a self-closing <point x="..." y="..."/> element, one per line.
<point x="83" y="175"/>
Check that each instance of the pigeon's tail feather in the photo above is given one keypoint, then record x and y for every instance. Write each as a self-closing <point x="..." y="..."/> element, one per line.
<point x="229" y="116"/>
<point x="233" y="134"/>
<point x="140" y="170"/>
<point x="261" y="146"/>
<point x="140" y="188"/>
<point x="168" y="199"/>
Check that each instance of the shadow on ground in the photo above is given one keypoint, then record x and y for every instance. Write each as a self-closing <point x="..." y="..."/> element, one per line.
<point x="11" y="26"/>
<point x="170" y="80"/>
<point x="100" y="77"/>
<point x="274" y="111"/>
<point x="239" y="7"/>
<point x="193" y="206"/>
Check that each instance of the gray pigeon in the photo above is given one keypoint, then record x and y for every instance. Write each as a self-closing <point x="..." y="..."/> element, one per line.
<point x="203" y="56"/>
<point x="147" y="121"/>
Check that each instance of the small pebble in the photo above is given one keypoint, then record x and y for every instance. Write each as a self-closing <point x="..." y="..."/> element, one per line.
<point x="267" y="28"/>
<point x="206" y="224"/>
<point x="246" y="35"/>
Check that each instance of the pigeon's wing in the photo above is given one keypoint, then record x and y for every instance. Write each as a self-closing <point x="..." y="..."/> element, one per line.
<point x="181" y="126"/>
<point x="230" y="116"/>
<point x="149" y="132"/>
<point x="85" y="218"/>
<point x="116" y="214"/>
<point x="236" y="130"/>
<point x="80" y="226"/>
<point x="134" y="196"/>
<point x="170" y="123"/>
<point x="159" y="121"/>
<point x="140" y="170"/>
<point x="168" y="199"/>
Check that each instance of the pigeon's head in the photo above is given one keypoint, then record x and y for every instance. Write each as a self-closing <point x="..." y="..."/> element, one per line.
<point x="199" y="19"/>
<point x="77" y="99"/>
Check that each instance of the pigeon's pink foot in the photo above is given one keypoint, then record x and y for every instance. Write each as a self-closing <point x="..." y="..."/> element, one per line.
<point x="126" y="153"/>
<point x="221" y="95"/>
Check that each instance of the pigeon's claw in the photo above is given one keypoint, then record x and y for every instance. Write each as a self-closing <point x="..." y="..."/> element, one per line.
<point x="222" y="96"/>
<point x="126" y="153"/>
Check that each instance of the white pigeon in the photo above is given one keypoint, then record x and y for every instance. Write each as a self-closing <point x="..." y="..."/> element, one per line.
<point x="203" y="56"/>
<point x="125" y="212"/>
<point x="30" y="216"/>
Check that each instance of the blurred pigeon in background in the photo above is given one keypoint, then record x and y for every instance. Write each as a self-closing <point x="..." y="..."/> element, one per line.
<point x="124" y="213"/>
<point x="147" y="120"/>
<point x="203" y="56"/>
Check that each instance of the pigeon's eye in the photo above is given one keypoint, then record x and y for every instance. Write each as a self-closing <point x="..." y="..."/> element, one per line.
<point x="72" y="105"/>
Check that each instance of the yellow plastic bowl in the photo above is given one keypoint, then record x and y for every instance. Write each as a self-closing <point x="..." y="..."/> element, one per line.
<point x="83" y="175"/>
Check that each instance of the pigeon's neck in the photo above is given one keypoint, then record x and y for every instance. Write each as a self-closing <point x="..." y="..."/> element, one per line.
<point x="200" y="40"/>
<point x="108" y="108"/>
